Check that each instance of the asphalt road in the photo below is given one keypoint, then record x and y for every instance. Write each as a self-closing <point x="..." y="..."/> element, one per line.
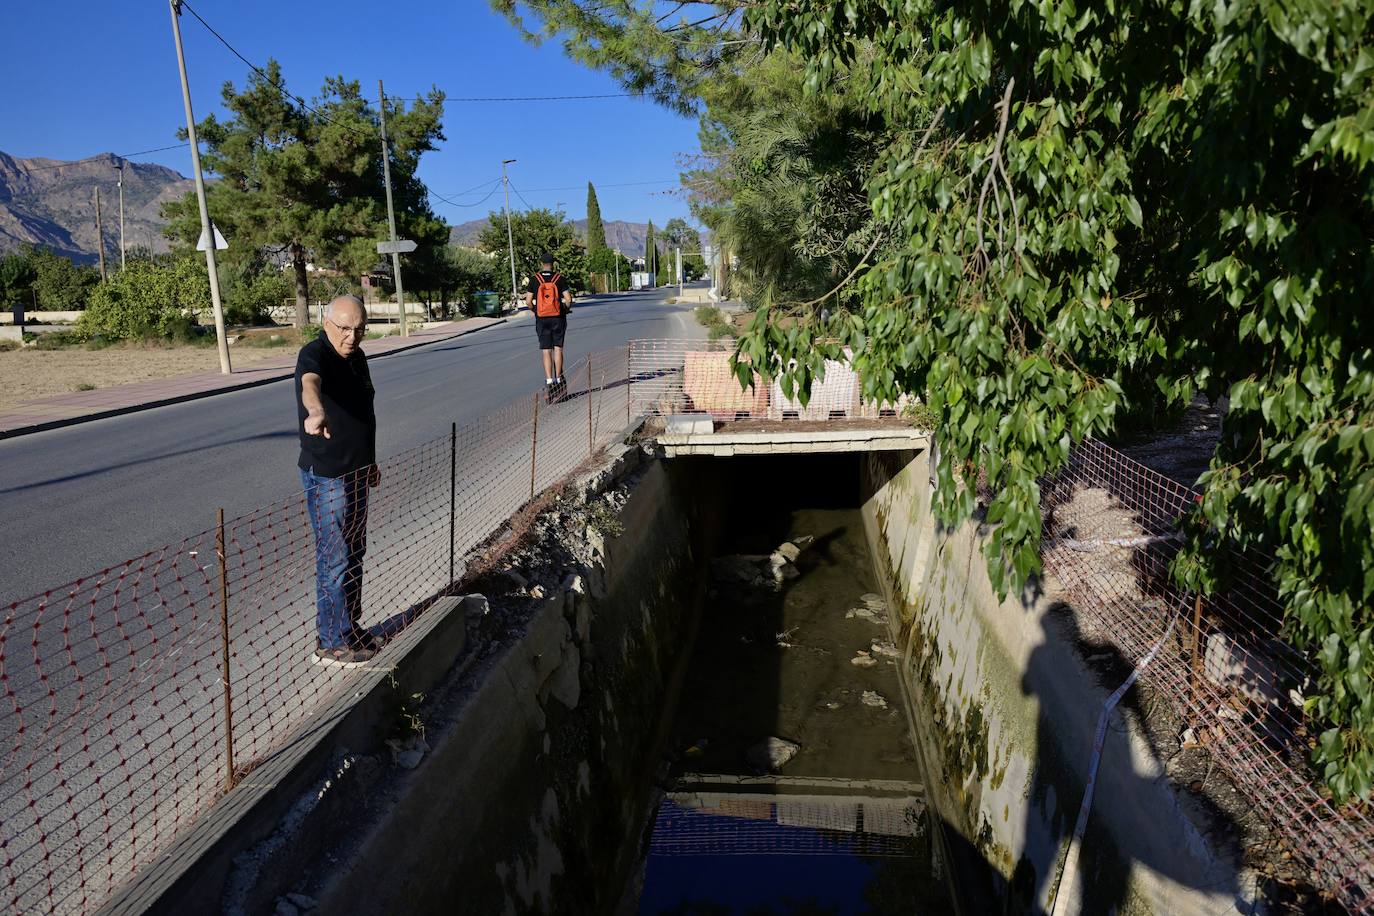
<point x="78" y="499"/>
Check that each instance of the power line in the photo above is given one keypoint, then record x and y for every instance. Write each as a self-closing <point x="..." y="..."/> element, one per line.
<point x="622" y="184"/>
<point x="528" y="205"/>
<point x="454" y="203"/>
<point x="527" y="98"/>
<point x="478" y="187"/>
<point x="260" y="72"/>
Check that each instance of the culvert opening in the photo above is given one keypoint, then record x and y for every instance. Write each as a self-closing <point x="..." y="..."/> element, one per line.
<point x="791" y="781"/>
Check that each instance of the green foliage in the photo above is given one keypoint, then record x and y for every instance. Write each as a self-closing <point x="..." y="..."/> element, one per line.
<point x="158" y="299"/>
<point x="604" y="264"/>
<point x="783" y="184"/>
<point x="59" y="340"/>
<point x="308" y="182"/>
<point x="650" y="250"/>
<point x="248" y="295"/>
<point x="324" y="287"/>
<point x="16" y="278"/>
<point x="667" y="56"/>
<point x="60" y="284"/>
<point x="1117" y="207"/>
<point x="596" y="229"/>
<point x="666" y="271"/>
<point x="714" y="320"/>
<point x="1076" y="215"/>
<point x="471" y="271"/>
<point x="536" y="232"/>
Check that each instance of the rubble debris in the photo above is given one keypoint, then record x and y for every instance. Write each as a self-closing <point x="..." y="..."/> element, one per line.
<point x="781" y="568"/>
<point x="408" y="753"/>
<point x="866" y="613"/>
<point x="875" y="699"/>
<point x="884" y="649"/>
<point x="863" y="660"/>
<point x="771" y="754"/>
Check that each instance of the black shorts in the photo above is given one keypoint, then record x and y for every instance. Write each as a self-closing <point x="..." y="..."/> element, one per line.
<point x="551" y="331"/>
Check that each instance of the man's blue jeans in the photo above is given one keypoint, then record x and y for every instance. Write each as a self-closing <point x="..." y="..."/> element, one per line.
<point x="338" y="515"/>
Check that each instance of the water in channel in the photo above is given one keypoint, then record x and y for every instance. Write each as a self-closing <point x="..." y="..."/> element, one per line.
<point x="793" y="785"/>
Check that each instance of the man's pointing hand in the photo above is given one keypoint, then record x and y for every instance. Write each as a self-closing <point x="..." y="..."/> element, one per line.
<point x="317" y="424"/>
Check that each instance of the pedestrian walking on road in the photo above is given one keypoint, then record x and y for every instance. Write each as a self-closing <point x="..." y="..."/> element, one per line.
<point x="338" y="465"/>
<point x="551" y="298"/>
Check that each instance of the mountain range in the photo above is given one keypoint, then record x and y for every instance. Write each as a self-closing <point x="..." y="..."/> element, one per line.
<point x="51" y="203"/>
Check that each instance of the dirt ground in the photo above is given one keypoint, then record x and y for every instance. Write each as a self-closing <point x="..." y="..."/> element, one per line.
<point x="29" y="373"/>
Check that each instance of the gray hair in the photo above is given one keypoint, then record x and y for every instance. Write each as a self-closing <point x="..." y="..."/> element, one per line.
<point x="329" y="310"/>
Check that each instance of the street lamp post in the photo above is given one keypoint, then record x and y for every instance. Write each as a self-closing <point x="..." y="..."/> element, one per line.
<point x="510" y="236"/>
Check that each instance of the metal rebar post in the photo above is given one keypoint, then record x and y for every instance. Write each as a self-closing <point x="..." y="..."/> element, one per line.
<point x="224" y="636"/>
<point x="452" y="497"/>
<point x="1198" y="647"/>
<point x="627" y="384"/>
<point x="534" y="442"/>
<point x="591" y="441"/>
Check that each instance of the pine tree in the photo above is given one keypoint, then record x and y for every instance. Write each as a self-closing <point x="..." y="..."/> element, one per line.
<point x="306" y="182"/>
<point x="596" y="230"/>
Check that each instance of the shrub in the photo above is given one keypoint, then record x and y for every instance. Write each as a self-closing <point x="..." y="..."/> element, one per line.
<point x="146" y="300"/>
<point x="250" y="299"/>
<point x="714" y="320"/>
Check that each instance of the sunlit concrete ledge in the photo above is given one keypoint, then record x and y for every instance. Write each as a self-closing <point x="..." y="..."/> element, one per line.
<point x="726" y="443"/>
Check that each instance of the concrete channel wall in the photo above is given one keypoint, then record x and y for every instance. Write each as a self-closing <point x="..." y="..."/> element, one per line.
<point x="542" y="757"/>
<point x="1004" y="707"/>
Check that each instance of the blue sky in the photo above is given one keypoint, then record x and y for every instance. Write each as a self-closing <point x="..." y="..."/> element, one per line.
<point x="89" y="77"/>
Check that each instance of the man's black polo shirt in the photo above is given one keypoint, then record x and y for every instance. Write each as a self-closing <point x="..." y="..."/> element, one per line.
<point x="346" y="392"/>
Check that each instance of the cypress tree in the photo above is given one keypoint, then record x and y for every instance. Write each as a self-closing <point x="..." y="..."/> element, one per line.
<point x="650" y="251"/>
<point x="596" y="230"/>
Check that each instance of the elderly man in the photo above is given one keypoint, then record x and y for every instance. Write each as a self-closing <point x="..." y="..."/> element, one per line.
<point x="338" y="465"/>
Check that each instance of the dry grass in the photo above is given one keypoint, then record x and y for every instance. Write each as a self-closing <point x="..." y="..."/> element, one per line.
<point x="30" y="373"/>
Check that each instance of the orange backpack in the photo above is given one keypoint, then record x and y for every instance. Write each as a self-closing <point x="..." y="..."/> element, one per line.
<point x="548" y="303"/>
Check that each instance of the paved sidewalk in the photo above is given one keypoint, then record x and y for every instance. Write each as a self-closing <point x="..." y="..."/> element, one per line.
<point x="80" y="406"/>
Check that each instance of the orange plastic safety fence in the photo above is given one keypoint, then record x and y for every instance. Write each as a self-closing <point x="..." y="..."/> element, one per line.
<point x="116" y="733"/>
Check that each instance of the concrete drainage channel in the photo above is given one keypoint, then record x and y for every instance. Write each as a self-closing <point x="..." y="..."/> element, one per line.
<point x="756" y="684"/>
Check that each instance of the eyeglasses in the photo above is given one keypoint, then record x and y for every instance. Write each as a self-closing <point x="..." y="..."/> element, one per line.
<point x="357" y="332"/>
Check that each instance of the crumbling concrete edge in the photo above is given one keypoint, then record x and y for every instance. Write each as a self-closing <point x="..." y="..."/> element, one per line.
<point x="261" y="809"/>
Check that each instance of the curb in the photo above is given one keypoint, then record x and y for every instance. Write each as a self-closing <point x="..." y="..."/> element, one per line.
<point x="17" y="431"/>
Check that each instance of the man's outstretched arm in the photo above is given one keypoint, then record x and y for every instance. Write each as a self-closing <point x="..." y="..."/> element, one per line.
<point x="316" y="420"/>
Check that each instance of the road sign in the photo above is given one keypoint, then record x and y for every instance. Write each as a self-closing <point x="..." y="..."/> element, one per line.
<point x="400" y="246"/>
<point x="220" y="243"/>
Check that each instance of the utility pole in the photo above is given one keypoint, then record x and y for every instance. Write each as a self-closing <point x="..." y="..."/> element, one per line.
<point x="206" y="232"/>
<point x="391" y="216"/>
<point x="679" y="271"/>
<point x="510" y="236"/>
<point x="617" y="270"/>
<point x="99" y="236"/>
<point x="121" y="213"/>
